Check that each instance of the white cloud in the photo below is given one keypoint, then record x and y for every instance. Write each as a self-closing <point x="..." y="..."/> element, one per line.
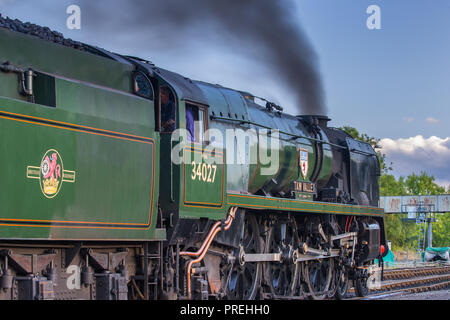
<point x="416" y="154"/>
<point x="415" y="144"/>
<point x="432" y="120"/>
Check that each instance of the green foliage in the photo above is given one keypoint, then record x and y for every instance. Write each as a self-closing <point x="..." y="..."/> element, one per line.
<point x="423" y="184"/>
<point x="404" y="234"/>
<point x="401" y="234"/>
<point x="441" y="231"/>
<point x="389" y="186"/>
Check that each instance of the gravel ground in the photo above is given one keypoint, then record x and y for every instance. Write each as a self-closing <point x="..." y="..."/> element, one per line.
<point x="432" y="295"/>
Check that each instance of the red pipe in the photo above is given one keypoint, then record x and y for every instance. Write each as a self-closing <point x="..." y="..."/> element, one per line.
<point x="196" y="254"/>
<point x="204" y="248"/>
<point x="199" y="251"/>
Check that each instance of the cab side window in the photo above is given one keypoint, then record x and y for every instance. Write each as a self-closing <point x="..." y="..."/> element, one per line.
<point x="196" y="122"/>
<point x="142" y="86"/>
<point x="167" y="107"/>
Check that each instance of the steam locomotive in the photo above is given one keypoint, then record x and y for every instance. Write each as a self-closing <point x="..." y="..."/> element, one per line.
<point x="94" y="205"/>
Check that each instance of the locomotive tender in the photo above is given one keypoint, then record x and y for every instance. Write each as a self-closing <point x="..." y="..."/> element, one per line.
<point x="92" y="206"/>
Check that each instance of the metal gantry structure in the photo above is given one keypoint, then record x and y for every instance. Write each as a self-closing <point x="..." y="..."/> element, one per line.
<point x="421" y="209"/>
<point x="422" y="214"/>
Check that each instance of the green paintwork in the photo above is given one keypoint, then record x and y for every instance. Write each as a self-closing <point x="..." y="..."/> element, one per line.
<point x="251" y="175"/>
<point x="184" y="192"/>
<point x="26" y="51"/>
<point x="245" y="178"/>
<point x="115" y="168"/>
<point x="105" y="140"/>
<point x="203" y="181"/>
<point x="298" y="206"/>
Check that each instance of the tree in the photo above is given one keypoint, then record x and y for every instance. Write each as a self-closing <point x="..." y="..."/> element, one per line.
<point x="423" y="184"/>
<point x="441" y="231"/>
<point x="404" y="234"/>
<point x="390" y="186"/>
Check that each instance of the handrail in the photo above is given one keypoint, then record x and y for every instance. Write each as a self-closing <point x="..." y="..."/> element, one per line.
<point x="291" y="134"/>
<point x="282" y="132"/>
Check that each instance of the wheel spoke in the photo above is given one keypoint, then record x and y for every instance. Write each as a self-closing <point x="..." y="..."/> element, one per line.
<point x="244" y="280"/>
<point x="279" y="275"/>
<point x="318" y="277"/>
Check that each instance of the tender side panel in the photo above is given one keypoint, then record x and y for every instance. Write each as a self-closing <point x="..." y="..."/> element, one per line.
<point x="28" y="51"/>
<point x="99" y="146"/>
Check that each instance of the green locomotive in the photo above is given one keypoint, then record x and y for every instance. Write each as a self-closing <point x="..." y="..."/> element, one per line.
<point x="259" y="205"/>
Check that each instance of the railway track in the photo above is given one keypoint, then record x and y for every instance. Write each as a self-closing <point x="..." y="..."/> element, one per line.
<point x="407" y="273"/>
<point x="408" y="281"/>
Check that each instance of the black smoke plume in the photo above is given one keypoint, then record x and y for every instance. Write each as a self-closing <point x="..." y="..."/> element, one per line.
<point x="265" y="29"/>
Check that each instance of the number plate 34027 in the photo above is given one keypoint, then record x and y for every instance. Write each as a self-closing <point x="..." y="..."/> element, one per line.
<point x="203" y="172"/>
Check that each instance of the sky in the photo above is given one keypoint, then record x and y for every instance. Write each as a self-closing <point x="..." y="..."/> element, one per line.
<point x="390" y="83"/>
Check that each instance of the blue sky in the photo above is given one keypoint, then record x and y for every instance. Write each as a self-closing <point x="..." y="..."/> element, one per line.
<point x="386" y="82"/>
<point x="392" y="83"/>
